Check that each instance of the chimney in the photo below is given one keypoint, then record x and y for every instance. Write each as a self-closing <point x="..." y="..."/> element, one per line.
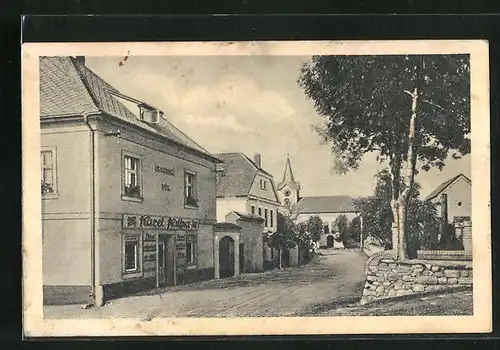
<point x="80" y="59"/>
<point x="257" y="159"/>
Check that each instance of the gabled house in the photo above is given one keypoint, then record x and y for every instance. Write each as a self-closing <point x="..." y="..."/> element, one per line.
<point x="243" y="186"/>
<point x="128" y="200"/>
<point x="453" y="199"/>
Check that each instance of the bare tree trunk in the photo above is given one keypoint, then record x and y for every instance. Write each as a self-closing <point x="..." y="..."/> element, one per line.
<point x="404" y="197"/>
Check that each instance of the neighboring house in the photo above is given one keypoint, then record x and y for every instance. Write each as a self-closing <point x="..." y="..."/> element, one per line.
<point x="328" y="208"/>
<point x="128" y="200"/>
<point x="453" y="198"/>
<point x="243" y="186"/>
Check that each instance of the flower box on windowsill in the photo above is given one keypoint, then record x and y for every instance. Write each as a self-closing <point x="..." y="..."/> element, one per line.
<point x="191" y="202"/>
<point x="48" y="191"/>
<point x="132" y="193"/>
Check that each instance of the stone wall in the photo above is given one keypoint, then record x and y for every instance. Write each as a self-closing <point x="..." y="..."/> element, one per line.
<point x="386" y="278"/>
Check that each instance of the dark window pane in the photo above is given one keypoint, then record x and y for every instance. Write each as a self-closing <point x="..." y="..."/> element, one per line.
<point x="189" y="251"/>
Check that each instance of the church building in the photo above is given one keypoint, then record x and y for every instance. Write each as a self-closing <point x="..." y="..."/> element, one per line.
<point x="328" y="208"/>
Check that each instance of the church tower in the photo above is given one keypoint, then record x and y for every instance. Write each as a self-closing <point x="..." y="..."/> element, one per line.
<point x="288" y="189"/>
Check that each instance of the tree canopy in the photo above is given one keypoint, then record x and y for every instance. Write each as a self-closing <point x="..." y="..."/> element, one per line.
<point x="408" y="109"/>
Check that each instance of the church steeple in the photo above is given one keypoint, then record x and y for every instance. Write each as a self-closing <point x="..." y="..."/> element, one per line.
<point x="288" y="189"/>
<point x="288" y="175"/>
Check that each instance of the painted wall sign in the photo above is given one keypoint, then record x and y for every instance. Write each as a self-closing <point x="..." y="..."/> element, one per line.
<point x="180" y="253"/>
<point x="163" y="170"/>
<point x="159" y="222"/>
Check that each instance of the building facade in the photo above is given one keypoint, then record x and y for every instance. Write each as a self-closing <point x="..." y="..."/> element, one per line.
<point x="453" y="198"/>
<point x="328" y="208"/>
<point x="244" y="187"/>
<point x="128" y="201"/>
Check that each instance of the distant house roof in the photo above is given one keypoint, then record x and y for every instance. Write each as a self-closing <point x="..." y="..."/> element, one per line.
<point x="326" y="204"/>
<point x="70" y="88"/>
<point x="248" y="217"/>
<point x="445" y="185"/>
<point x="238" y="175"/>
<point x="226" y="226"/>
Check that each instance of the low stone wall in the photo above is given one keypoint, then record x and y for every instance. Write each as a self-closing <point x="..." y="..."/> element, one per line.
<point x="386" y="278"/>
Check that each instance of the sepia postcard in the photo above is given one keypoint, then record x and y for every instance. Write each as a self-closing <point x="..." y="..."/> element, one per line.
<point x="256" y="188"/>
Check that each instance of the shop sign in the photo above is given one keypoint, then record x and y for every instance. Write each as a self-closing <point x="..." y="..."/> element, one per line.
<point x="159" y="222"/>
<point x="180" y="252"/>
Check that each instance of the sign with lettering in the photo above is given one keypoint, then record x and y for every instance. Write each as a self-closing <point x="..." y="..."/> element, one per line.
<point x="163" y="170"/>
<point x="180" y="252"/>
<point x="159" y="222"/>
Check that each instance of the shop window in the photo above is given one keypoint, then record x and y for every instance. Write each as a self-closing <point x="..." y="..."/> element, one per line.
<point x="265" y="218"/>
<point x="190" y="195"/>
<point x="131" y="255"/>
<point x="131" y="177"/>
<point x="48" y="164"/>
<point x="191" y="250"/>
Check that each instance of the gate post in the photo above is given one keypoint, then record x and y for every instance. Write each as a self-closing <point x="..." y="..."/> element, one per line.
<point x="216" y="257"/>
<point x="236" y="254"/>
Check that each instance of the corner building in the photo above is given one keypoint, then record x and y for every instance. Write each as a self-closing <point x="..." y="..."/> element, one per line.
<point x="128" y="200"/>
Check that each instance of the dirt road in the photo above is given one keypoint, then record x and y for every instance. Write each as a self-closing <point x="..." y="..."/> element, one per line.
<point x="336" y="277"/>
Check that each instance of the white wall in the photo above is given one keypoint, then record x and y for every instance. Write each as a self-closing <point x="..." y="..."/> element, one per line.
<point x="227" y="205"/>
<point x="458" y="193"/>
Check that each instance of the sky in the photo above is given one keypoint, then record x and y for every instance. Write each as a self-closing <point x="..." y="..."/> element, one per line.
<point x="250" y="104"/>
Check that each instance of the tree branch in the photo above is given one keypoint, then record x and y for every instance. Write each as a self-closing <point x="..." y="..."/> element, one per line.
<point x="433" y="104"/>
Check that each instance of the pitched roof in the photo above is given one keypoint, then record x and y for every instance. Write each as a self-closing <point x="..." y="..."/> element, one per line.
<point x="326" y="204"/>
<point x="438" y="190"/>
<point x="238" y="176"/>
<point x="68" y="87"/>
<point x="248" y="217"/>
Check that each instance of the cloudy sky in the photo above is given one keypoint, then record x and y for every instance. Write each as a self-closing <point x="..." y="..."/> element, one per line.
<point x="250" y="104"/>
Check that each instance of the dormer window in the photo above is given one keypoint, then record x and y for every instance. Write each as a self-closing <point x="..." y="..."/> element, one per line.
<point x="152" y="116"/>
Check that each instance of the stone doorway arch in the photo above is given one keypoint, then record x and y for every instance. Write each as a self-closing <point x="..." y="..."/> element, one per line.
<point x="226" y="257"/>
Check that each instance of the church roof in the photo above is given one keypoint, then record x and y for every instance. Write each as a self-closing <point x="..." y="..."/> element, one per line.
<point x="70" y="88"/>
<point x="441" y="188"/>
<point x="326" y="204"/>
<point x="238" y="175"/>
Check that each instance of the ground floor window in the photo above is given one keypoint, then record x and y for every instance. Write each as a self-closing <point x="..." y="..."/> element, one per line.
<point x="191" y="250"/>
<point x="131" y="254"/>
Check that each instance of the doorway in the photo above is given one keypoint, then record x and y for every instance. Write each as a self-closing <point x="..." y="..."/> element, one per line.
<point x="329" y="241"/>
<point x="226" y="257"/>
<point x="162" y="263"/>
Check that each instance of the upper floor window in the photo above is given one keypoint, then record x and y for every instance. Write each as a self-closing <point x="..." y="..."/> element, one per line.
<point x="252" y="209"/>
<point x="48" y="163"/>
<point x="263" y="184"/>
<point x="260" y="211"/>
<point x="265" y="218"/>
<point x="326" y="228"/>
<point x="190" y="196"/>
<point x="271" y="217"/>
<point x="131" y="176"/>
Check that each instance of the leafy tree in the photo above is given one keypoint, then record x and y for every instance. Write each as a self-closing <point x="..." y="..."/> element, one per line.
<point x="423" y="223"/>
<point x="354" y="232"/>
<point x="315" y="227"/>
<point x="285" y="236"/>
<point x="408" y="108"/>
<point x="341" y="224"/>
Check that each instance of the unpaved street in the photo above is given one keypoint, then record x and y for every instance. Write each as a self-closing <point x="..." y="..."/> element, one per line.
<point x="336" y="277"/>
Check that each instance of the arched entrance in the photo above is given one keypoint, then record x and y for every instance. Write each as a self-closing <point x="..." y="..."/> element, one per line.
<point x="329" y="241"/>
<point x="226" y="257"/>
